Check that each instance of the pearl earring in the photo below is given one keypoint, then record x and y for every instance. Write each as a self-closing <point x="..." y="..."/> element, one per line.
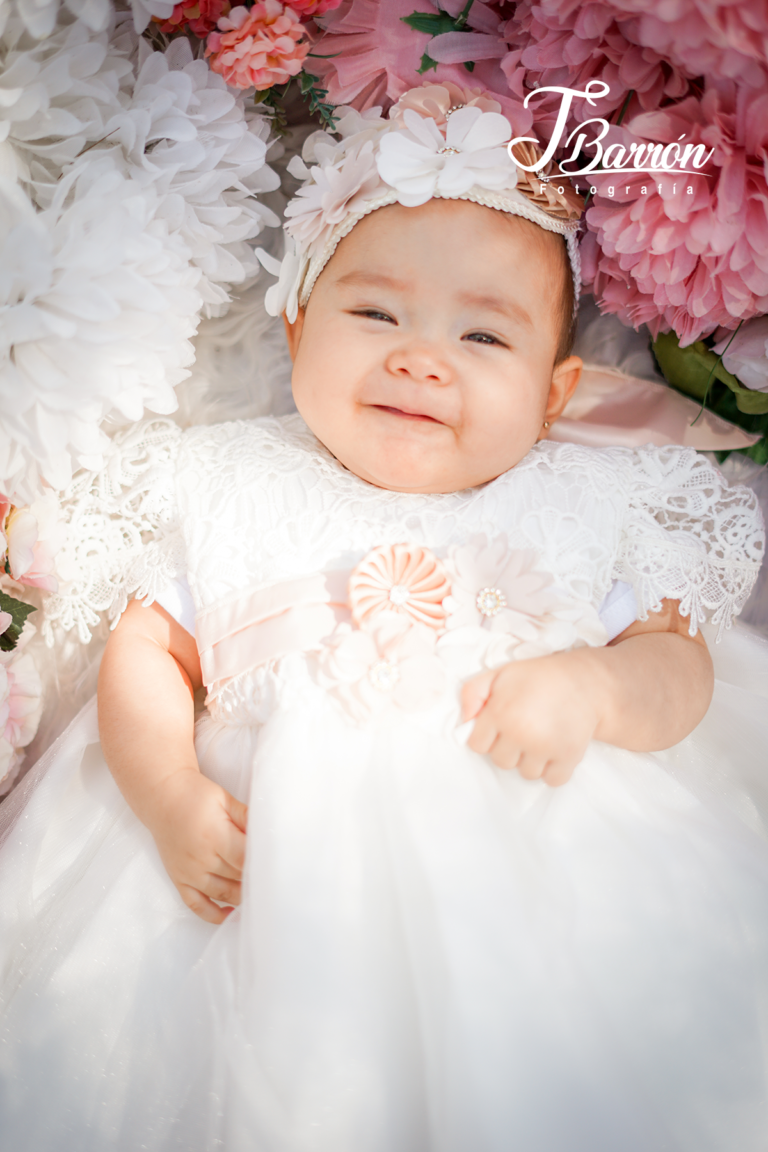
<point x="546" y="423"/>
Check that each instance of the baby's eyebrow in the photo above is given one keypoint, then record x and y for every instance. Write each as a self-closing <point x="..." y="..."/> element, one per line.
<point x="371" y="279"/>
<point x="501" y="304"/>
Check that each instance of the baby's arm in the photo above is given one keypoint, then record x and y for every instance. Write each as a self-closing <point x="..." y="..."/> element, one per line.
<point x="147" y="680"/>
<point x="645" y="691"/>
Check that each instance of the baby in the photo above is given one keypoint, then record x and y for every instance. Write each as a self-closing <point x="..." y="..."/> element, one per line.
<point x="412" y="613"/>
<point x="431" y="356"/>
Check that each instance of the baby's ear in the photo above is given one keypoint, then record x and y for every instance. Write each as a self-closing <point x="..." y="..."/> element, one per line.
<point x="565" y="379"/>
<point x="293" y="331"/>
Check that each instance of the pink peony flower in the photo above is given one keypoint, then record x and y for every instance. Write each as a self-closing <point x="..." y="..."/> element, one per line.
<point x="20" y="710"/>
<point x="686" y="262"/>
<point x="200" y="16"/>
<point x="258" y="47"/>
<point x="372" y="57"/>
<point x="405" y="580"/>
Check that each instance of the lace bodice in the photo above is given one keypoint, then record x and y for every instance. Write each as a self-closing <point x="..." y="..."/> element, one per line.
<point x="251" y="504"/>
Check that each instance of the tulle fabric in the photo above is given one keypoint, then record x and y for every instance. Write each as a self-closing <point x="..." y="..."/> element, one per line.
<point x="432" y="955"/>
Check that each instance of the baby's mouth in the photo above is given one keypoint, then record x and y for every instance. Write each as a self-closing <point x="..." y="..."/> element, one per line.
<point x="405" y="414"/>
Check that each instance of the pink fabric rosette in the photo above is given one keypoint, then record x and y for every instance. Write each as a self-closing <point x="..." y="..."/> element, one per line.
<point x="404" y="579"/>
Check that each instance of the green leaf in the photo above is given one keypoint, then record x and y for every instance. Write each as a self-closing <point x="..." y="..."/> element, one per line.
<point x="426" y="63"/>
<point x="18" y="611"/>
<point x="432" y="23"/>
<point x="694" y="369"/>
<point x="469" y="65"/>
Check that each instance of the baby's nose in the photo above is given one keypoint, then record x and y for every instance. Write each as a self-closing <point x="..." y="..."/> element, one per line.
<point x="421" y="360"/>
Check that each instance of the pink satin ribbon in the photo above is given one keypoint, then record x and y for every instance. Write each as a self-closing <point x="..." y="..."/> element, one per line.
<point x="260" y="624"/>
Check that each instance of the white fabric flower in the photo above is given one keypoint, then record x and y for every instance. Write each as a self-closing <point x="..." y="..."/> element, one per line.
<point x="20" y="711"/>
<point x="393" y="662"/>
<point x="284" y="296"/>
<point x="335" y="191"/>
<point x="419" y="162"/>
<point x="747" y="355"/>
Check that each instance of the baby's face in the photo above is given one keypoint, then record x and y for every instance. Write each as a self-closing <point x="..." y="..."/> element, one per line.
<point x="424" y="358"/>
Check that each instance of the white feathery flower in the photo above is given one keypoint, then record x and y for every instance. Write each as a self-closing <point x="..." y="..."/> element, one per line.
<point x="39" y="16"/>
<point x="97" y="306"/>
<point x="144" y="10"/>
<point x="187" y="134"/>
<point x="419" y="162"/>
<point x="55" y="98"/>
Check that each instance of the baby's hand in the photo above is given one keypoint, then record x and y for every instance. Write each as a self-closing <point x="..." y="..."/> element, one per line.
<point x="534" y="715"/>
<point x="199" y="830"/>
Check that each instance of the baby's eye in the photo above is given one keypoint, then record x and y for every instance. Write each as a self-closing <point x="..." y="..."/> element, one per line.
<point x="484" y="338"/>
<point x="374" y="314"/>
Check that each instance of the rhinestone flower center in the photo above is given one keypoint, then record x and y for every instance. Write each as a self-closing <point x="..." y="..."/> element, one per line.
<point x="489" y="601"/>
<point x="399" y="594"/>
<point x="384" y="675"/>
<point x="448" y="150"/>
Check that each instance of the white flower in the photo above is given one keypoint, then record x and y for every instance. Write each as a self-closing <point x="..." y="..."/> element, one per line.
<point x="421" y="161"/>
<point x="97" y="305"/>
<point x="747" y="355"/>
<point x="39" y="16"/>
<point x="335" y="191"/>
<point x="284" y="296"/>
<point x="392" y="662"/>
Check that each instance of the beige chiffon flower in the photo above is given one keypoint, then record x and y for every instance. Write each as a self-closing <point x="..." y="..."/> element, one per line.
<point x="545" y="193"/>
<point x="404" y="579"/>
<point x="437" y="100"/>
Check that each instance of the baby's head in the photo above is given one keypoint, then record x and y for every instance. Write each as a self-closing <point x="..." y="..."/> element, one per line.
<point x="430" y="333"/>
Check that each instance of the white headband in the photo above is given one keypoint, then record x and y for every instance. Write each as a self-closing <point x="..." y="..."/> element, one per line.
<point x="440" y="141"/>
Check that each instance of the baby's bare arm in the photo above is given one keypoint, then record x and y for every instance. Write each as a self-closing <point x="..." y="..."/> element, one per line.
<point x="644" y="691"/>
<point x="147" y="681"/>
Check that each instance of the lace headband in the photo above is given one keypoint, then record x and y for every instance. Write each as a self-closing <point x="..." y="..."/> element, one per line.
<point x="439" y="141"/>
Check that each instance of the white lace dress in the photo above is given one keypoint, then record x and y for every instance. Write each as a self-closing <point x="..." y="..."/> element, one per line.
<point x="432" y="955"/>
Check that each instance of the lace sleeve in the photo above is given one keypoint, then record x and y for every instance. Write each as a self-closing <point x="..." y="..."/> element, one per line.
<point x="123" y="531"/>
<point x="688" y="536"/>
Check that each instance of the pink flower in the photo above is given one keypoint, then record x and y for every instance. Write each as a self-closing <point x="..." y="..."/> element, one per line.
<point x="372" y="57"/>
<point x="336" y="190"/>
<point x="392" y="661"/>
<point x="312" y="8"/>
<point x="405" y="580"/>
<point x="686" y="262"/>
<point x="200" y="16"/>
<point x="20" y="710"/>
<point x="437" y="100"/>
<point x="747" y="353"/>
<point x="259" y="46"/>
<point x="33" y="536"/>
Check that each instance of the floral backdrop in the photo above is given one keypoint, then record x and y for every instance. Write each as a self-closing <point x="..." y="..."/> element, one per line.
<point x="138" y="144"/>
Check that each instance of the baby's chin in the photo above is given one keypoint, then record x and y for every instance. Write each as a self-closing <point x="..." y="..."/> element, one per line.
<point x="425" y="474"/>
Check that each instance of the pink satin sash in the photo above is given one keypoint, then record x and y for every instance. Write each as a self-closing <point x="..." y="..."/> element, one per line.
<point x="260" y="624"/>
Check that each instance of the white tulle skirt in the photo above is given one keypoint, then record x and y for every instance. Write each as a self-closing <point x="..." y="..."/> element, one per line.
<point x="432" y="955"/>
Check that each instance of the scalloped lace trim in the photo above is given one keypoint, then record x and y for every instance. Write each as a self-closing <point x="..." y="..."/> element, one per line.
<point x="123" y="535"/>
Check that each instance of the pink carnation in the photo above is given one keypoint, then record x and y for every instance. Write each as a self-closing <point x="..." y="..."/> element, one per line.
<point x="258" y="47"/>
<point x="372" y="57"/>
<point x="20" y="710"/>
<point x="200" y="16"/>
<point x="687" y="262"/>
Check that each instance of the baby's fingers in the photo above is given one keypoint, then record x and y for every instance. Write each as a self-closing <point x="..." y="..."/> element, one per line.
<point x="231" y="847"/>
<point x="475" y="693"/>
<point x="199" y="903"/>
<point x="222" y="889"/>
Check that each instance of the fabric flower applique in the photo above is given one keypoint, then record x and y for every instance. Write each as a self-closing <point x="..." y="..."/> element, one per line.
<point x="503" y="608"/>
<point x="336" y="190"/>
<point x="391" y="661"/>
<point x="439" y="101"/>
<point x="396" y="596"/>
<point x="421" y="161"/>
